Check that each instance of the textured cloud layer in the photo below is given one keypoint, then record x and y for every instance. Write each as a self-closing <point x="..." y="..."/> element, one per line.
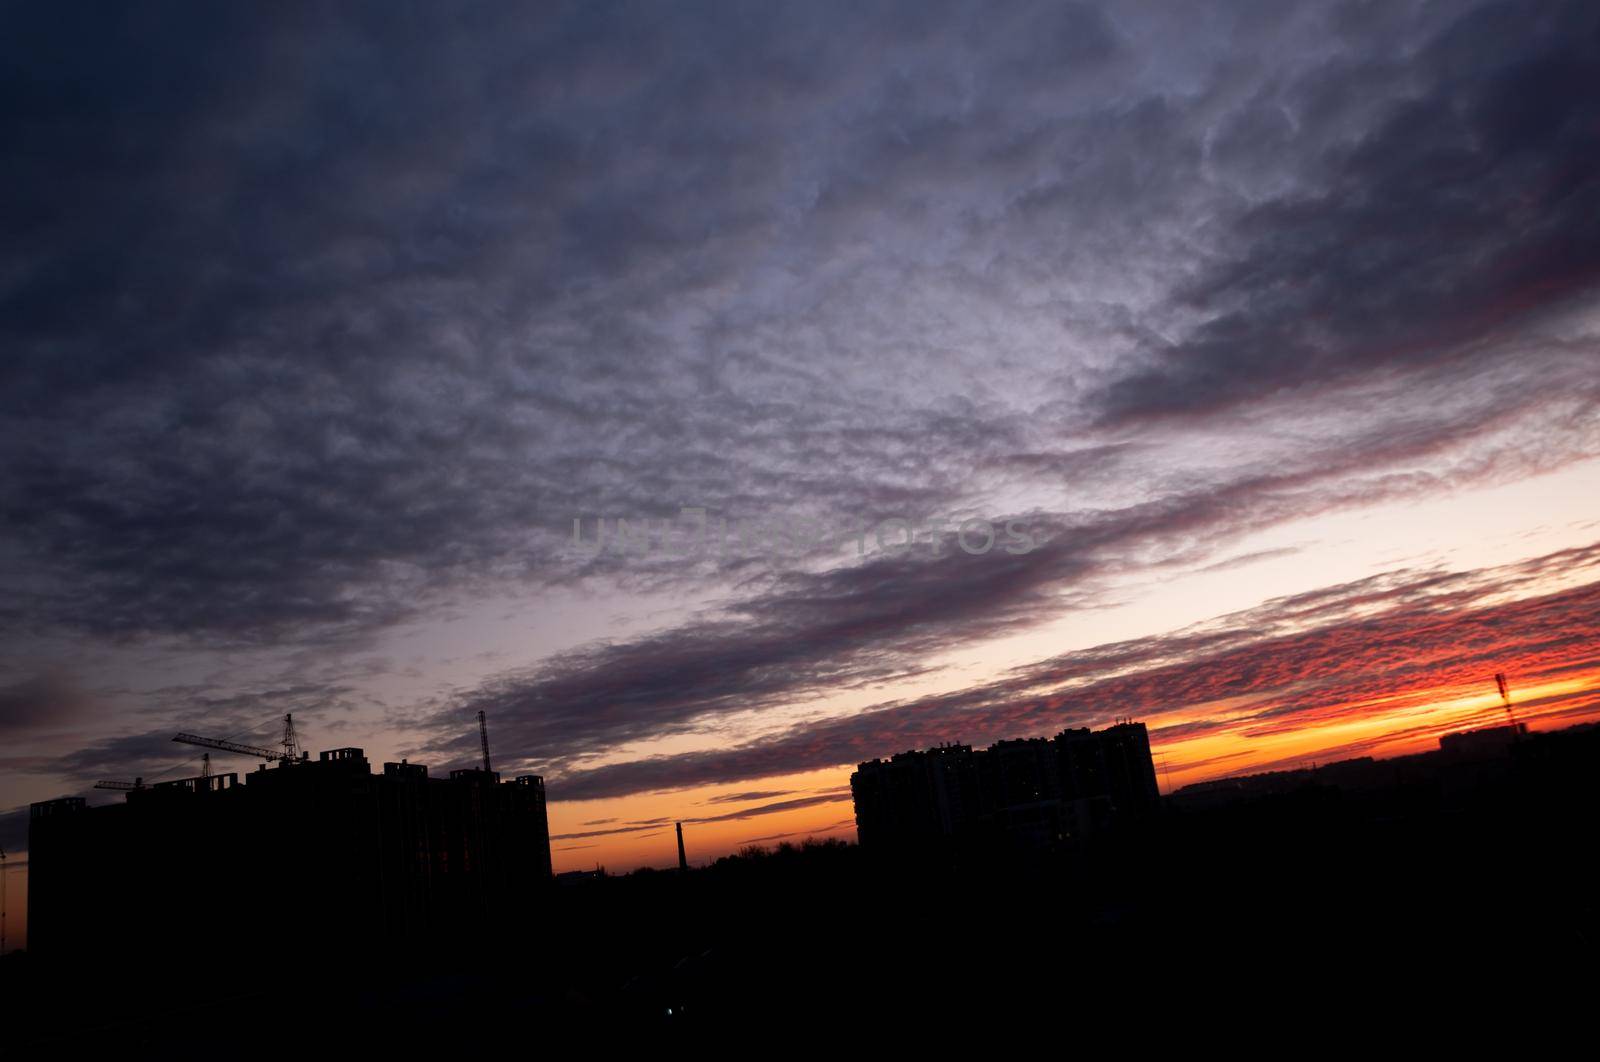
<point x="313" y="318"/>
<point x="319" y="323"/>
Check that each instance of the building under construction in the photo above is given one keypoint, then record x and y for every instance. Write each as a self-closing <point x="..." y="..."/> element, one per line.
<point x="319" y="851"/>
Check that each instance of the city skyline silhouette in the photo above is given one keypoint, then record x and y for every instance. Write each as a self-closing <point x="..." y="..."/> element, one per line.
<point x="484" y="483"/>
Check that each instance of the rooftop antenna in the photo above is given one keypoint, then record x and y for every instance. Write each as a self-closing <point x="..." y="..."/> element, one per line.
<point x="483" y="736"/>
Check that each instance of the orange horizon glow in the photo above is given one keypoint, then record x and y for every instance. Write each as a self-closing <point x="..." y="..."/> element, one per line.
<point x="1383" y="727"/>
<point x="1370" y="683"/>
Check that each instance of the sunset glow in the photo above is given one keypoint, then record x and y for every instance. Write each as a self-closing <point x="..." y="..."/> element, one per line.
<point x="937" y="373"/>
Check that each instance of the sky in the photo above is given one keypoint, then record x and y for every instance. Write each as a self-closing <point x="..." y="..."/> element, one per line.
<point x="719" y="395"/>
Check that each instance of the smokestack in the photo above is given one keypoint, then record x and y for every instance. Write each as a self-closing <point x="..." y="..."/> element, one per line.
<point x="683" y="860"/>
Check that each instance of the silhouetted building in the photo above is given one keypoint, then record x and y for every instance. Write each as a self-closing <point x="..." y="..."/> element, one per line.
<point x="319" y="850"/>
<point x="1114" y="762"/>
<point x="1029" y="793"/>
<point x="1490" y="741"/>
<point x="916" y="797"/>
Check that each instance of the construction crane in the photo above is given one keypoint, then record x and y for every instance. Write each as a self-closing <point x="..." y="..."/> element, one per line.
<point x="289" y="753"/>
<point x="1505" y="697"/>
<point x="291" y="744"/>
<point x="229" y="746"/>
<point x="483" y="736"/>
<point x="137" y="783"/>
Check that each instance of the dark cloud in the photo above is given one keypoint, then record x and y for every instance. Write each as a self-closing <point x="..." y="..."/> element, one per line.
<point x="45" y="700"/>
<point x="831" y="827"/>
<point x="14" y="833"/>
<point x="1468" y="202"/>
<point x="749" y="795"/>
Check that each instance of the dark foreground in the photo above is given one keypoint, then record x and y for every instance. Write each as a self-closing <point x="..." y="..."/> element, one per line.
<point x="1464" y="904"/>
